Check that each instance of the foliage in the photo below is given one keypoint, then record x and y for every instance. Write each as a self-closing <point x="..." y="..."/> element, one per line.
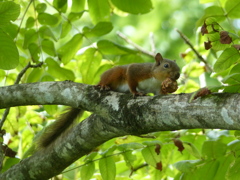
<point x="77" y="40"/>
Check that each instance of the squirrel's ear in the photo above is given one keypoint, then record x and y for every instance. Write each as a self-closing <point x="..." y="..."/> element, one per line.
<point x="158" y="59"/>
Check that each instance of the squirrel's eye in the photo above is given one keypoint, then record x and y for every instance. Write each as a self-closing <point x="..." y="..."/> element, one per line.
<point x="166" y="65"/>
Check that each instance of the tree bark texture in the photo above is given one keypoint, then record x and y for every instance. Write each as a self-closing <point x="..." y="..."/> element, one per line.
<point x="115" y="114"/>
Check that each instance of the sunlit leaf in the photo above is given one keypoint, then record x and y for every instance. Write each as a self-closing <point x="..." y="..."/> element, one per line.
<point x="226" y="59"/>
<point x="232" y="8"/>
<point x="133" y="7"/>
<point x="47" y="19"/>
<point x="48" y="47"/>
<point x="68" y="50"/>
<point x="108" y="47"/>
<point x="100" y="29"/>
<point x="233" y="172"/>
<point x="9" y="11"/>
<point x="150" y="156"/>
<point x="61" y="5"/>
<point x="99" y="10"/>
<point x="34" y="51"/>
<point x="41" y="7"/>
<point x="213" y="149"/>
<point x="58" y="72"/>
<point x="46" y="33"/>
<point x="30" y="37"/>
<point x="87" y="171"/>
<point x="77" y="6"/>
<point x="9" y="57"/>
<point x="107" y="168"/>
<point x="74" y="16"/>
<point x="30" y="22"/>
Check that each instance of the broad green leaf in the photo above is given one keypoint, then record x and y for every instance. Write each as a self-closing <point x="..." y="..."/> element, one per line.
<point x="34" y="51"/>
<point x="133" y="7"/>
<point x="212" y="11"/>
<point x="108" y="47"/>
<point x="226" y="59"/>
<point x="192" y="149"/>
<point x="9" y="11"/>
<point x="74" y="16"/>
<point x="107" y="168"/>
<point x="100" y="29"/>
<point x="130" y="146"/>
<point x="48" y="47"/>
<point x="47" y="19"/>
<point x="130" y="58"/>
<point x="61" y="5"/>
<point x="66" y="28"/>
<point x="46" y="33"/>
<point x="77" y="6"/>
<point x="233" y="172"/>
<point x="224" y="164"/>
<point x="11" y="29"/>
<point x="68" y="50"/>
<point x="129" y="158"/>
<point x="232" y="79"/>
<point x="50" y="109"/>
<point x="99" y="10"/>
<point x="58" y="72"/>
<point x="35" y="75"/>
<point x="110" y="150"/>
<point x="151" y="157"/>
<point x="232" y="8"/>
<point x="30" y="37"/>
<point x="87" y="171"/>
<point x="186" y="166"/>
<point x="40" y="8"/>
<point x="234" y="146"/>
<point x="9" y="56"/>
<point x="232" y="89"/>
<point x="30" y="22"/>
<point x="91" y="60"/>
<point x="213" y="149"/>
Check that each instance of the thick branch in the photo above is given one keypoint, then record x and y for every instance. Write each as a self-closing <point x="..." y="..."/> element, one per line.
<point x="116" y="115"/>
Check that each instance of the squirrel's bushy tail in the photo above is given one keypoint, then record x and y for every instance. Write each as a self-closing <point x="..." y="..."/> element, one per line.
<point x="54" y="130"/>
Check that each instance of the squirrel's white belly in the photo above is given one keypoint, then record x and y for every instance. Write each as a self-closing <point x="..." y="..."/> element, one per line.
<point x="150" y="85"/>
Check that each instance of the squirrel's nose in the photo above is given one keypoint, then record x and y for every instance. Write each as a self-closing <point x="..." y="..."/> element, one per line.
<point x="175" y="76"/>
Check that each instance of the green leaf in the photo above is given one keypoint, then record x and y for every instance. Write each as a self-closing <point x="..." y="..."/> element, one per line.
<point x="61" y="5"/>
<point x="11" y="29"/>
<point x="192" y="149"/>
<point x="66" y="28"/>
<point x="107" y="168"/>
<point x="46" y="33"/>
<point x="232" y="79"/>
<point x="30" y="22"/>
<point x="232" y="8"/>
<point x="100" y="29"/>
<point x="129" y="158"/>
<point x="130" y="58"/>
<point x="212" y="11"/>
<point x="151" y="157"/>
<point x="40" y="8"/>
<point x="48" y="47"/>
<point x="226" y="59"/>
<point x="87" y="171"/>
<point x="213" y="149"/>
<point x="58" y="72"/>
<point x="74" y="16"/>
<point x="99" y="10"/>
<point x="133" y="7"/>
<point x="9" y="56"/>
<point x="9" y="11"/>
<point x="77" y="5"/>
<point x="130" y="146"/>
<point x="50" y="109"/>
<point x="108" y="47"/>
<point x="47" y="19"/>
<point x="68" y="50"/>
<point x="224" y="165"/>
<point x="186" y="166"/>
<point x="30" y="37"/>
<point x="35" y="75"/>
<point x="34" y="51"/>
<point x="233" y="172"/>
<point x="234" y="146"/>
<point x="91" y="60"/>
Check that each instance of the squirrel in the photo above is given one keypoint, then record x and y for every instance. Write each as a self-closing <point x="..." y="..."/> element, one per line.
<point x="137" y="78"/>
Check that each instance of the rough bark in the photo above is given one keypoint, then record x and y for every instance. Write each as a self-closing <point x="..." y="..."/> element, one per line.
<point x="116" y="114"/>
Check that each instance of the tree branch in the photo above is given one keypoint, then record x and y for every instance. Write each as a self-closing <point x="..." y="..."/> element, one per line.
<point x="116" y="114"/>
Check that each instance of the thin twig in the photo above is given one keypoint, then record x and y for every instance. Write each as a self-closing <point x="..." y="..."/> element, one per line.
<point x="19" y="77"/>
<point x="195" y="51"/>
<point x="152" y="42"/>
<point x="125" y="38"/>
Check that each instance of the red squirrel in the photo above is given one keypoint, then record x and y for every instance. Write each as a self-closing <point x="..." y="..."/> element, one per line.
<point x="137" y="78"/>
